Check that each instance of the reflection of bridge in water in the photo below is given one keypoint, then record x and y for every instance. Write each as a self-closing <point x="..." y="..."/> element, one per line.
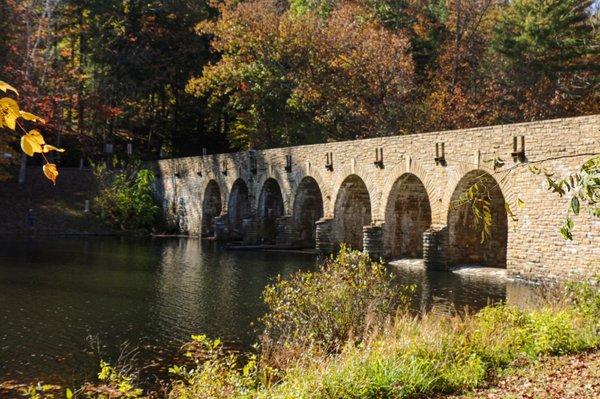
<point x="395" y="197"/>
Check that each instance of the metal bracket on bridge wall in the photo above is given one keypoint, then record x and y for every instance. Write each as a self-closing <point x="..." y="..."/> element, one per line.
<point x="379" y="157"/>
<point x="329" y="161"/>
<point x="440" y="154"/>
<point x="518" y="155"/>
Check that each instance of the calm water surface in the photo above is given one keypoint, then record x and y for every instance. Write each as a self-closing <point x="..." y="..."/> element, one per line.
<point x="63" y="299"/>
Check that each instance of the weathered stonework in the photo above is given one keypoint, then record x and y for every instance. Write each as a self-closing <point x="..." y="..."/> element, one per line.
<point x="410" y="192"/>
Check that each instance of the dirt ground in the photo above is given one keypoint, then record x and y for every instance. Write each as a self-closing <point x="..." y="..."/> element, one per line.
<point x="563" y="377"/>
<point x="55" y="209"/>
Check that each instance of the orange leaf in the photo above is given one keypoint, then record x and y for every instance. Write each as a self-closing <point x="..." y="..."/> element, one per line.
<point x="9" y="112"/>
<point x="51" y="172"/>
<point x="32" y="142"/>
<point x="48" y="148"/>
<point x="5" y="87"/>
<point x="31" y="117"/>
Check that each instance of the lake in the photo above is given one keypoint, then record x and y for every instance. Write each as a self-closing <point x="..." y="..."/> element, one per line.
<point x="66" y="302"/>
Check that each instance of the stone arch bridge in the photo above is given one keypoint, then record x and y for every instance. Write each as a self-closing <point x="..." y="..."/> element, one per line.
<point x="399" y="197"/>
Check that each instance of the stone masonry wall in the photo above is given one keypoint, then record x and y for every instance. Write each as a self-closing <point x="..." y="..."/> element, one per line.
<point x="534" y="249"/>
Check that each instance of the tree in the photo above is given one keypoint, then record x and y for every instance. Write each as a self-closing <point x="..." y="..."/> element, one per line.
<point x="287" y="78"/>
<point x="548" y="57"/>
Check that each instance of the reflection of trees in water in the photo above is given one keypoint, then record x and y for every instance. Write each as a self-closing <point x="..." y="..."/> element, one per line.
<point x="194" y="291"/>
<point x="202" y="289"/>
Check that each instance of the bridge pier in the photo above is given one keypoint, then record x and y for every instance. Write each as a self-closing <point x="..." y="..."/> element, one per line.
<point x="435" y="247"/>
<point x="373" y="240"/>
<point x="250" y="230"/>
<point x="324" y="236"/>
<point x="285" y="231"/>
<point x="221" y="232"/>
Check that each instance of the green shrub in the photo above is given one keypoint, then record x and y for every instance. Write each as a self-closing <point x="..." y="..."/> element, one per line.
<point x="498" y="334"/>
<point x="586" y="297"/>
<point x="217" y="373"/>
<point x="344" y="300"/>
<point x="125" y="198"/>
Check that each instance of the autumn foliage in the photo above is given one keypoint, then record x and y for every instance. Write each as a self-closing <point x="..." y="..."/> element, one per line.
<point x="290" y="78"/>
<point x="303" y="71"/>
<point x="173" y="77"/>
<point x="32" y="142"/>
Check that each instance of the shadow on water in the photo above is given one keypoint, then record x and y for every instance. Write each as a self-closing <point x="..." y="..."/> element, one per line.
<point x="153" y="294"/>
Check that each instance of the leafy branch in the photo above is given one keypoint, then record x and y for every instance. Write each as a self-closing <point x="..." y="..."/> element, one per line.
<point x="583" y="188"/>
<point x="32" y="142"/>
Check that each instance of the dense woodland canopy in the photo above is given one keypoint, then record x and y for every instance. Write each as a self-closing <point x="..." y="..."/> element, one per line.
<point x="179" y="75"/>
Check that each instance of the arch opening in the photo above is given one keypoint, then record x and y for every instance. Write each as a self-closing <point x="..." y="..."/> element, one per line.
<point x="352" y="211"/>
<point x="211" y="208"/>
<point x="465" y="231"/>
<point x="407" y="216"/>
<point x="308" y="209"/>
<point x="270" y="208"/>
<point x="238" y="209"/>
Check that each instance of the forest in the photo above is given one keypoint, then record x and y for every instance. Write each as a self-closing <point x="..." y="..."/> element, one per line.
<point x="174" y="77"/>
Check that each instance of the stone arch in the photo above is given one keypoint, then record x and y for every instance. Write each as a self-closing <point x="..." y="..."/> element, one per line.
<point x="464" y="238"/>
<point x="270" y="208"/>
<point x="407" y="216"/>
<point x="308" y="208"/>
<point x="211" y="207"/>
<point x="366" y="175"/>
<point x="352" y="211"/>
<point x="324" y="185"/>
<point x="413" y="167"/>
<point x="238" y="208"/>
<point x="283" y="185"/>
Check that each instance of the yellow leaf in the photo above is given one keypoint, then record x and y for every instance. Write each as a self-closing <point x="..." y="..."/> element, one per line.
<point x="9" y="112"/>
<point x="32" y="142"/>
<point x="31" y="117"/>
<point x="48" y="148"/>
<point x="5" y="86"/>
<point x="51" y="172"/>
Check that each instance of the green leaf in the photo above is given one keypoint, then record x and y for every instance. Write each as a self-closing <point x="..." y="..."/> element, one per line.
<point x="69" y="393"/>
<point x="575" y="205"/>
<point x="566" y="230"/>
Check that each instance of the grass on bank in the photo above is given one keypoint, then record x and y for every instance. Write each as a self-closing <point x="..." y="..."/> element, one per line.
<point x="398" y="356"/>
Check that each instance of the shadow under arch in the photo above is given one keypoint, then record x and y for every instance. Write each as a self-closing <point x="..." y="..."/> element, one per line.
<point x="238" y="208"/>
<point x="352" y="211"/>
<point x="407" y="216"/>
<point x="270" y="208"/>
<point x="211" y="208"/>
<point x="308" y="208"/>
<point x="465" y="244"/>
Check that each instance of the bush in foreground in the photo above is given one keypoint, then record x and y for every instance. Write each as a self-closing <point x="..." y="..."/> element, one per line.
<point x="348" y="298"/>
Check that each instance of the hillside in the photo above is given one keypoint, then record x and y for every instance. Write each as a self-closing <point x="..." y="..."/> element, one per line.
<point x="55" y="209"/>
